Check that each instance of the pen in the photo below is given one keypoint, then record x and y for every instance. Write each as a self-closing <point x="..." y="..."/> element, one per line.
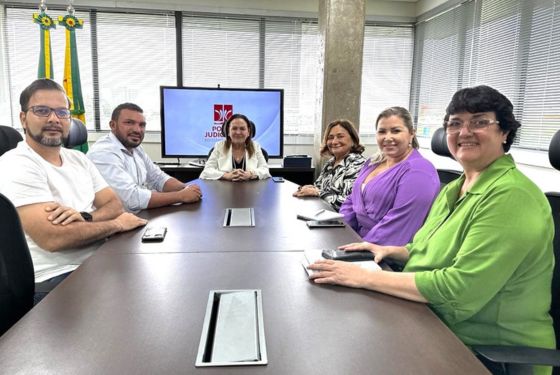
<point x="319" y="212"/>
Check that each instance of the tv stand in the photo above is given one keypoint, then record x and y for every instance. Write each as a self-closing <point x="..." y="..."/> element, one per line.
<point x="198" y="163"/>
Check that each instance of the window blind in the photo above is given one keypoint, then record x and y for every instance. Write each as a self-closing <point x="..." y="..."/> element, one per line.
<point x="220" y="51"/>
<point x="511" y="45"/>
<point x="292" y="62"/>
<point x="386" y="72"/>
<point x="440" y="46"/>
<point x="136" y="54"/>
<point x="23" y="41"/>
<point x="5" y="108"/>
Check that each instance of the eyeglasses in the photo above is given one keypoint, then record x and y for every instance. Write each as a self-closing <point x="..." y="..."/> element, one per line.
<point x="473" y="125"/>
<point x="45" y="111"/>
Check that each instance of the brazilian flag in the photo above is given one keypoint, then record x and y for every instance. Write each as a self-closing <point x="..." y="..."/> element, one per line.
<point x="46" y="23"/>
<point x="71" y="81"/>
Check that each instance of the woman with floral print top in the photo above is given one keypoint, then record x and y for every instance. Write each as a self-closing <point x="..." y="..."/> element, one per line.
<point x="337" y="176"/>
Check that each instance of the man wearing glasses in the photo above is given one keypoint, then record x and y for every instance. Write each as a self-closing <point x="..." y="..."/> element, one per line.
<point x="64" y="204"/>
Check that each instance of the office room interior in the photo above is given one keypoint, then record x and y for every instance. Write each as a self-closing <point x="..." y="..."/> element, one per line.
<point x="416" y="54"/>
<point x="144" y="304"/>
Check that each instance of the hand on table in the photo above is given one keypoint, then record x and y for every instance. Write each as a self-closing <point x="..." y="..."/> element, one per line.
<point x="307" y="191"/>
<point x="127" y="221"/>
<point x="191" y="193"/>
<point x="63" y="215"/>
<point x="241" y="175"/>
<point x="339" y="273"/>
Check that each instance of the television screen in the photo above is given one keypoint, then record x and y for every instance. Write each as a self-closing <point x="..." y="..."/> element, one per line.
<point x="192" y="118"/>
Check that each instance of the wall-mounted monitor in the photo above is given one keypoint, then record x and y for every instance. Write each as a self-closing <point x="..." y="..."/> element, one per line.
<point x="192" y="118"/>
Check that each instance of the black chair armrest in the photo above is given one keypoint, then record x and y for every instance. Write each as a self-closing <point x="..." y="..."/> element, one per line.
<point x="519" y="355"/>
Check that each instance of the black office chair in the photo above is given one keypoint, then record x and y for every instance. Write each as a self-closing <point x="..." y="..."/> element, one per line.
<point x="439" y="147"/>
<point x="519" y="360"/>
<point x="9" y="138"/>
<point x="17" y="281"/>
<point x="77" y="134"/>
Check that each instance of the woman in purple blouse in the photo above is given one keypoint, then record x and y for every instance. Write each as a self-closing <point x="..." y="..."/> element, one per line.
<point x="395" y="190"/>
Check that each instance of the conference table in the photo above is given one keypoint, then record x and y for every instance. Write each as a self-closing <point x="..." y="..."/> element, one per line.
<point x="138" y="308"/>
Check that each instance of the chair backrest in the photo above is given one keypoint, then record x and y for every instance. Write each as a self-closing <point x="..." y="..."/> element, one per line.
<point x="554" y="200"/>
<point x="439" y="143"/>
<point x="9" y="138"/>
<point x="265" y="154"/>
<point x="77" y="134"/>
<point x="439" y="147"/>
<point x="17" y="281"/>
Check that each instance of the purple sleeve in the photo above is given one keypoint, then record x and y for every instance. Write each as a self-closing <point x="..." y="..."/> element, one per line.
<point x="347" y="208"/>
<point x="415" y="194"/>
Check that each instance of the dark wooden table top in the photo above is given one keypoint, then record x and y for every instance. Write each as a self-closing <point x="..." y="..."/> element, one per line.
<point x="137" y="308"/>
<point x="199" y="227"/>
<point x="143" y="314"/>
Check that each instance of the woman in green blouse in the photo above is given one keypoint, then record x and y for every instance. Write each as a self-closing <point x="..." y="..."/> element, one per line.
<point x="483" y="259"/>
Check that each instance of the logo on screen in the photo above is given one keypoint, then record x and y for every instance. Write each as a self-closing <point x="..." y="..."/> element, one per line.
<point x="222" y="112"/>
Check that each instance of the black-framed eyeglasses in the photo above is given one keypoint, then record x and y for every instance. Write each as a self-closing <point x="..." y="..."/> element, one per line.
<point x="474" y="125"/>
<point x="45" y="111"/>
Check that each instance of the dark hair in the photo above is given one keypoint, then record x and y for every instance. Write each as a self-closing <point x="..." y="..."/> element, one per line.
<point x="405" y="116"/>
<point x="486" y="99"/>
<point x="130" y="106"/>
<point x="351" y="129"/>
<point x="39" y="84"/>
<point x="250" y="126"/>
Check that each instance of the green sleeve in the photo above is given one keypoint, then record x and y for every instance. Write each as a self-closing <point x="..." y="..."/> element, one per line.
<point x="508" y="226"/>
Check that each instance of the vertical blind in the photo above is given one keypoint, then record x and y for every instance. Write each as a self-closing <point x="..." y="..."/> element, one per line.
<point x="512" y="45"/>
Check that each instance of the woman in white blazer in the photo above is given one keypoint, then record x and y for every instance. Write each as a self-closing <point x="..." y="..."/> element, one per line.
<point x="238" y="157"/>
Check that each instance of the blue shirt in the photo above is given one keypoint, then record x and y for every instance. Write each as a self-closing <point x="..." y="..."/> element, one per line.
<point x="132" y="174"/>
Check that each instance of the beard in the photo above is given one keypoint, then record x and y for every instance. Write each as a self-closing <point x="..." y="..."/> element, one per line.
<point x="47" y="141"/>
<point x="129" y="144"/>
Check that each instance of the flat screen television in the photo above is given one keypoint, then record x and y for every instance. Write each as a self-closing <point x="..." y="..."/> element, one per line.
<point x="192" y="118"/>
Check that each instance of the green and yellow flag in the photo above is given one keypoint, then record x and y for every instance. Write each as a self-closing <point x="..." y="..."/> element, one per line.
<point x="71" y="81"/>
<point x="46" y="23"/>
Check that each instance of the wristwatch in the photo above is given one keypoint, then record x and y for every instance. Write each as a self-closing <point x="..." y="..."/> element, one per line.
<point x="87" y="216"/>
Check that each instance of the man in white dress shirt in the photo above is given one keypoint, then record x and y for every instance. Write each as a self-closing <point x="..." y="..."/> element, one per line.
<point x="129" y="170"/>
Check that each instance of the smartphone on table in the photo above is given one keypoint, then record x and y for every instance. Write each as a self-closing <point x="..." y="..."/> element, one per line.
<point x="154" y="234"/>
<point x="324" y="223"/>
<point x="278" y="179"/>
<point x="347" y="256"/>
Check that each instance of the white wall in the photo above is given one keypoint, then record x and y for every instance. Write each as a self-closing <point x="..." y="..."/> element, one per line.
<point x="422" y="6"/>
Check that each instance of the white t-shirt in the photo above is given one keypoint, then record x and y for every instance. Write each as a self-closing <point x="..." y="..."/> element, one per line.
<point x="27" y="178"/>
